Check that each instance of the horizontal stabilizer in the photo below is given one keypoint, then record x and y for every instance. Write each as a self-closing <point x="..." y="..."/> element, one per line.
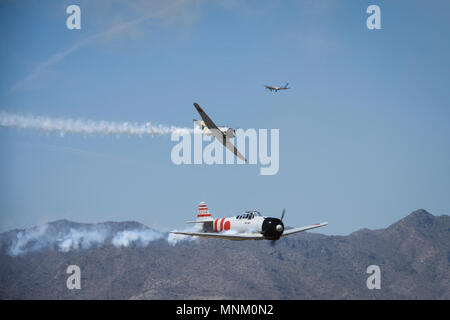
<point x="202" y="221"/>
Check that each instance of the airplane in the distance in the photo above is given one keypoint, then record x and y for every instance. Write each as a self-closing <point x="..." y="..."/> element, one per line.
<point x="285" y="87"/>
<point x="222" y="134"/>
<point x="250" y="225"/>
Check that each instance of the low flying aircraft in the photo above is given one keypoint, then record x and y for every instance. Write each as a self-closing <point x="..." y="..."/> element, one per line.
<point x="223" y="134"/>
<point x="250" y="225"/>
<point x="285" y="87"/>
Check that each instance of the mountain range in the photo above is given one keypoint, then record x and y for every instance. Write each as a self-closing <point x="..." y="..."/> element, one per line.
<point x="127" y="260"/>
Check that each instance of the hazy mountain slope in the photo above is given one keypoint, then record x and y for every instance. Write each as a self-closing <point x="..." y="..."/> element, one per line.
<point x="413" y="254"/>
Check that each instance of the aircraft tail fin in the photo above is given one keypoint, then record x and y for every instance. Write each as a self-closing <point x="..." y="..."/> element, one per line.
<point x="199" y="124"/>
<point x="286" y="85"/>
<point x="203" y="213"/>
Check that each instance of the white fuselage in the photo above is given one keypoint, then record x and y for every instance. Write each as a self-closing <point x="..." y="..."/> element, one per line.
<point x="247" y="222"/>
<point x="238" y="225"/>
<point x="228" y="132"/>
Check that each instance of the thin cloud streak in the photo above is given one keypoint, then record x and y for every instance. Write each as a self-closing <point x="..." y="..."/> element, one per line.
<point x="77" y="46"/>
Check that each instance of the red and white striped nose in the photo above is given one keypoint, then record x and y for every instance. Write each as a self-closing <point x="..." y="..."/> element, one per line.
<point x="203" y="211"/>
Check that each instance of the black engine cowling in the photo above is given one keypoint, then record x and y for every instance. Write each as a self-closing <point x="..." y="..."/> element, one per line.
<point x="272" y="228"/>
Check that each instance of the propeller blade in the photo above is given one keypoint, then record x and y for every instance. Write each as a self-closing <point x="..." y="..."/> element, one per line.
<point x="282" y="214"/>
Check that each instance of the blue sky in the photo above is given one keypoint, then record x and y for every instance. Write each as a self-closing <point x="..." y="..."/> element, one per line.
<point x="364" y="131"/>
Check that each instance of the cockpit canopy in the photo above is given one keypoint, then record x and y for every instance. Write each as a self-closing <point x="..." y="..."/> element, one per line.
<point x="249" y="215"/>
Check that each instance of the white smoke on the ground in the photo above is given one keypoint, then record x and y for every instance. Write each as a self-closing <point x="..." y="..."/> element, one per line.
<point x="82" y="237"/>
<point x="63" y="126"/>
<point x="173" y="238"/>
<point x="25" y="241"/>
<point x="141" y="237"/>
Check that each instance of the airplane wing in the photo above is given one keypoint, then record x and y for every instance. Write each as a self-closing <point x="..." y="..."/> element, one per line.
<point x="237" y="236"/>
<point x="233" y="149"/>
<point x="209" y="123"/>
<point x="301" y="229"/>
<point x="217" y="133"/>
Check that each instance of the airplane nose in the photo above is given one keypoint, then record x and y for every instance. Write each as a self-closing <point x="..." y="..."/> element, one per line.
<point x="272" y="228"/>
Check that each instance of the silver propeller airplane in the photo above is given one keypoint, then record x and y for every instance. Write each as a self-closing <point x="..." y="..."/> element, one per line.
<point x="250" y="225"/>
<point x="222" y="134"/>
<point x="285" y="87"/>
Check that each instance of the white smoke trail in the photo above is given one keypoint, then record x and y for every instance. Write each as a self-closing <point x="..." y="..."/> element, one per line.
<point x="85" y="127"/>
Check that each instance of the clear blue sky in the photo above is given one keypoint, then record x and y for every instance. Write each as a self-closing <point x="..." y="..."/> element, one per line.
<point x="364" y="131"/>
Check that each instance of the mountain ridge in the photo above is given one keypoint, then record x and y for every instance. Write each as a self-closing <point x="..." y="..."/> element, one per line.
<point x="413" y="255"/>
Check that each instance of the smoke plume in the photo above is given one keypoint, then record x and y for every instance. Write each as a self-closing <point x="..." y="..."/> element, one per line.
<point x="63" y="126"/>
<point x="66" y="236"/>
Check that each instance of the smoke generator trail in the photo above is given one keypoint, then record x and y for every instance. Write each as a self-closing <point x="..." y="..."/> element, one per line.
<point x="64" y="126"/>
